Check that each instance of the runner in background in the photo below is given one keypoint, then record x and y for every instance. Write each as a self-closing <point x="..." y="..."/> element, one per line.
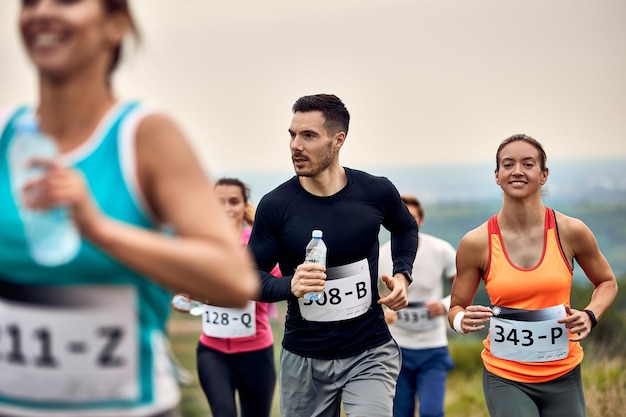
<point x="235" y="354"/>
<point x="420" y="328"/>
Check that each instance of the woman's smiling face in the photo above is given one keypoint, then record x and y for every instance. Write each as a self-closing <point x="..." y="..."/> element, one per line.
<point x="63" y="36"/>
<point x="232" y="199"/>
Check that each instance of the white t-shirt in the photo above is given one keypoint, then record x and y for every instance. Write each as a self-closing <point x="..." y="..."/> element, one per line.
<point x="434" y="262"/>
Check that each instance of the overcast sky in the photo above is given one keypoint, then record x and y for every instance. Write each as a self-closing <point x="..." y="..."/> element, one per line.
<point x="426" y="81"/>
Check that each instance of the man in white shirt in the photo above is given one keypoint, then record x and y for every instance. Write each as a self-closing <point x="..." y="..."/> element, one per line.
<point x="420" y="328"/>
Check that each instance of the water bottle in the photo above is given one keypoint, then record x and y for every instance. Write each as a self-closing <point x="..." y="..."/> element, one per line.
<point x="315" y="254"/>
<point x="51" y="235"/>
<point x="184" y="304"/>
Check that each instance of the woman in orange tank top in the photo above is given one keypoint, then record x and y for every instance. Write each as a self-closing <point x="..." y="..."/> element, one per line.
<point x="525" y="255"/>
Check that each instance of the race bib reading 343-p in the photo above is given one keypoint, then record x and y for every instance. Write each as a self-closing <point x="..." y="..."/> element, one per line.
<point x="528" y="335"/>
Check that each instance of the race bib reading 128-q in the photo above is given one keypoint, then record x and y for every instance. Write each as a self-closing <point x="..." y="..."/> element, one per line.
<point x="528" y="335"/>
<point x="226" y="323"/>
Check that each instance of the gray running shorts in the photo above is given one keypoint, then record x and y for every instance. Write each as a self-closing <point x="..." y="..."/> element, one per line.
<point x="365" y="384"/>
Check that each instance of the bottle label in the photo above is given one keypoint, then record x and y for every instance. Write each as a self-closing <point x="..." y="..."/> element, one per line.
<point x="222" y="322"/>
<point x="81" y="346"/>
<point x="416" y="317"/>
<point x="347" y="294"/>
<point x="316" y="255"/>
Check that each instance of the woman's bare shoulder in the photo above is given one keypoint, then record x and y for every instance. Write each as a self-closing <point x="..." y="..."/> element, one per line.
<point x="575" y="236"/>
<point x="476" y="237"/>
<point x="570" y="228"/>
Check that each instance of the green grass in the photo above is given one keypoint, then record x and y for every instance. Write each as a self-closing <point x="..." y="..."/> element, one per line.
<point x="193" y="402"/>
<point x="603" y="381"/>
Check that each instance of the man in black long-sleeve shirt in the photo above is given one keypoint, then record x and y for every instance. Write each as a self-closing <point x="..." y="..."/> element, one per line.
<point x="337" y="349"/>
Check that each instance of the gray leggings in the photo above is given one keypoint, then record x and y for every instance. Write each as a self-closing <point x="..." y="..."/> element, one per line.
<point x="557" y="398"/>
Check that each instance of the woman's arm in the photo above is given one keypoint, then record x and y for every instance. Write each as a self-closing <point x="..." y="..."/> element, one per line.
<point x="204" y="258"/>
<point x="580" y="243"/>
<point x="471" y="261"/>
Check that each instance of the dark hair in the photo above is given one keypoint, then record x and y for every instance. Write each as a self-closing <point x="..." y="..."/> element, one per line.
<point x="245" y="190"/>
<point x="120" y="6"/>
<point x="411" y="200"/>
<point x="336" y="116"/>
<point x="543" y="159"/>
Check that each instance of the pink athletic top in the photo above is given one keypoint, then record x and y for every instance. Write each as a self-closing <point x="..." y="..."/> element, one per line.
<point x="263" y="337"/>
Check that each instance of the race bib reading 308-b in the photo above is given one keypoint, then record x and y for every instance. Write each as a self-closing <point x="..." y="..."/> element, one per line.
<point x="347" y="294"/>
<point x="528" y="335"/>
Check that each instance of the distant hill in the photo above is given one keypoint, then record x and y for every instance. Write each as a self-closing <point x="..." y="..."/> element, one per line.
<point x="569" y="180"/>
<point x="458" y="198"/>
<point x="607" y="220"/>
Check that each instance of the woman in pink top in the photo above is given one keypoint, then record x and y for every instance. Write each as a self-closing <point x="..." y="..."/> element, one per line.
<point x="236" y="348"/>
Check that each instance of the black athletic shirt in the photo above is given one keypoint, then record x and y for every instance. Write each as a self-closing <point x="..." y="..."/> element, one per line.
<point x="350" y="221"/>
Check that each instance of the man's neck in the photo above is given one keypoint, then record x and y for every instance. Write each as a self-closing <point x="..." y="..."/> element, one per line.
<point x="326" y="183"/>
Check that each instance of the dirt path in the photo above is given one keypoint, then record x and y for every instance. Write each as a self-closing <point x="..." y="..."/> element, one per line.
<point x="179" y="325"/>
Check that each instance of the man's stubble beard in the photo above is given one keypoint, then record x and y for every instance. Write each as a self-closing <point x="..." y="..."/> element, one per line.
<point x="324" y="162"/>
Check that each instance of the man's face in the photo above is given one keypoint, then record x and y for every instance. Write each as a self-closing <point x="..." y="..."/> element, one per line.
<point x="312" y="149"/>
<point x="415" y="213"/>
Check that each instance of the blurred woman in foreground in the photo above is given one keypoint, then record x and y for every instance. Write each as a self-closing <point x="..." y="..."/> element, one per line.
<point x="87" y="338"/>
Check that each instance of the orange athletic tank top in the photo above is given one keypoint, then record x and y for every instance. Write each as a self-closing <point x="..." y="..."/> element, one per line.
<point x="545" y="285"/>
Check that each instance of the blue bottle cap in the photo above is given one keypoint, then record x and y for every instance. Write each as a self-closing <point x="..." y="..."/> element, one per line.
<point x="27" y="124"/>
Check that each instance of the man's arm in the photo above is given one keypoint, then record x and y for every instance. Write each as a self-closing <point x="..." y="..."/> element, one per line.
<point x="273" y="288"/>
<point x="404" y="243"/>
<point x="404" y="240"/>
<point x="264" y="246"/>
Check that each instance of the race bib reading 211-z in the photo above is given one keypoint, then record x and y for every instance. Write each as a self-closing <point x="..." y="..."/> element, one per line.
<point x="528" y="335"/>
<point x="72" y="344"/>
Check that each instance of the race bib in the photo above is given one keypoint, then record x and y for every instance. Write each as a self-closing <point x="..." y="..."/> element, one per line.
<point x="229" y="323"/>
<point x="416" y="317"/>
<point x="72" y="344"/>
<point x="347" y="294"/>
<point x="528" y="335"/>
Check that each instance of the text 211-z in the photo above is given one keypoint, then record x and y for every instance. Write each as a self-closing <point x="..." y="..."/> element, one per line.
<point x="14" y="339"/>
